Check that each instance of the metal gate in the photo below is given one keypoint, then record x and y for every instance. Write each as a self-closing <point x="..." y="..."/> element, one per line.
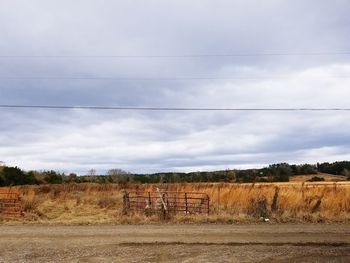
<point x="168" y="202"/>
<point x="10" y="203"/>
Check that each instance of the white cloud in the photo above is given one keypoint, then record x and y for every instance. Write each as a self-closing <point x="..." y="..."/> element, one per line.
<point x="144" y="142"/>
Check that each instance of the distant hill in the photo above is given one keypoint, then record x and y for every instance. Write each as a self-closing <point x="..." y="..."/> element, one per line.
<point x="327" y="177"/>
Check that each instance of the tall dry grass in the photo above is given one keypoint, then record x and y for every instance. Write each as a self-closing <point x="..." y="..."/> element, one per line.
<point x="103" y="204"/>
<point x="283" y="202"/>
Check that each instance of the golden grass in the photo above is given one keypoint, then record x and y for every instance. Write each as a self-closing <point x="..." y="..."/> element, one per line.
<point x="325" y="176"/>
<point x="102" y="204"/>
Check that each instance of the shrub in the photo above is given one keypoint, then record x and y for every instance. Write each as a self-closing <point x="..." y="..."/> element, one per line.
<point x="15" y="176"/>
<point x="316" y="179"/>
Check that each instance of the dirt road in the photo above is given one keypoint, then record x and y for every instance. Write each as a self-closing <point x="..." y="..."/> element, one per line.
<point x="176" y="243"/>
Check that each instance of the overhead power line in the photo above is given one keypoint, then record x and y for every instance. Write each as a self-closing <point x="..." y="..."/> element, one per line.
<point x="166" y="108"/>
<point x="187" y="55"/>
<point x="167" y="78"/>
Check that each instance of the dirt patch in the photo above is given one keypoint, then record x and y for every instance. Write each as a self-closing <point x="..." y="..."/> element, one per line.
<point x="176" y="243"/>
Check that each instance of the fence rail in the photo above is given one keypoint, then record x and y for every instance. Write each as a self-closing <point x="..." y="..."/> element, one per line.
<point x="167" y="202"/>
<point x="10" y="203"/>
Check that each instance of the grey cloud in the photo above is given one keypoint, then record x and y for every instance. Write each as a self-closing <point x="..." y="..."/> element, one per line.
<point x="158" y="141"/>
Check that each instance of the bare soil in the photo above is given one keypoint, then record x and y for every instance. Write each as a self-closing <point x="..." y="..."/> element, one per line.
<point x="176" y="243"/>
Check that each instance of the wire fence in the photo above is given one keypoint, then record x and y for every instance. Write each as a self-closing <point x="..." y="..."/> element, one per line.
<point x="166" y="202"/>
<point x="10" y="203"/>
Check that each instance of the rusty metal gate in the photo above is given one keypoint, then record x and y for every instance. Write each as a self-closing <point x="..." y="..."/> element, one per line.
<point x="10" y="203"/>
<point x="169" y="202"/>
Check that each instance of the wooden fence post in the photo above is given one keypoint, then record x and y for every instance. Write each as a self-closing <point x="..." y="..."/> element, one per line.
<point x="126" y="203"/>
<point x="218" y="197"/>
<point x="149" y="199"/>
<point x="208" y="204"/>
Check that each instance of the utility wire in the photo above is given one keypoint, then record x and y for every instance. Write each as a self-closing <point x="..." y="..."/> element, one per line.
<point x="186" y="55"/>
<point x="165" y="108"/>
<point x="165" y="79"/>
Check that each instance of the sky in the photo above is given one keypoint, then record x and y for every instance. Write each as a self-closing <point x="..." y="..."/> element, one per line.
<point x="288" y="54"/>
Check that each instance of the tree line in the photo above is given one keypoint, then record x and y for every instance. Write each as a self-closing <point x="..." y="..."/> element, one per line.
<point x="10" y="176"/>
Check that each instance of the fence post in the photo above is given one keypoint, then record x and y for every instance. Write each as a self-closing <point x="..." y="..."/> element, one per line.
<point x="148" y="208"/>
<point x="218" y="197"/>
<point x="208" y="204"/>
<point x="126" y="203"/>
<point x="164" y="208"/>
<point x="149" y="199"/>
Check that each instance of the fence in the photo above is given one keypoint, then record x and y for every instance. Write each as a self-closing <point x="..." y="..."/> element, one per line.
<point x="167" y="202"/>
<point x="10" y="203"/>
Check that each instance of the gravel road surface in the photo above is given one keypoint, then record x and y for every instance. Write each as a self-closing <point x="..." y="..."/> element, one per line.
<point x="176" y="243"/>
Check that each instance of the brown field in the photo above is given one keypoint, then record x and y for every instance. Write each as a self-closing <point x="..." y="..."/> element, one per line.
<point x="326" y="177"/>
<point x="229" y="203"/>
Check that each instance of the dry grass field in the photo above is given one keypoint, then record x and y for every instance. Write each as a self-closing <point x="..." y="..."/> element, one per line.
<point x="326" y="177"/>
<point x="229" y="203"/>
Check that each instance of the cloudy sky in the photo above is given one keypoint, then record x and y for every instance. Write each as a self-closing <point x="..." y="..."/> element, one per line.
<point x="60" y="52"/>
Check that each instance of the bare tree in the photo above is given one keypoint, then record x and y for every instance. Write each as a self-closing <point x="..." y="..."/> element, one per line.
<point x="119" y="176"/>
<point x="91" y="172"/>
